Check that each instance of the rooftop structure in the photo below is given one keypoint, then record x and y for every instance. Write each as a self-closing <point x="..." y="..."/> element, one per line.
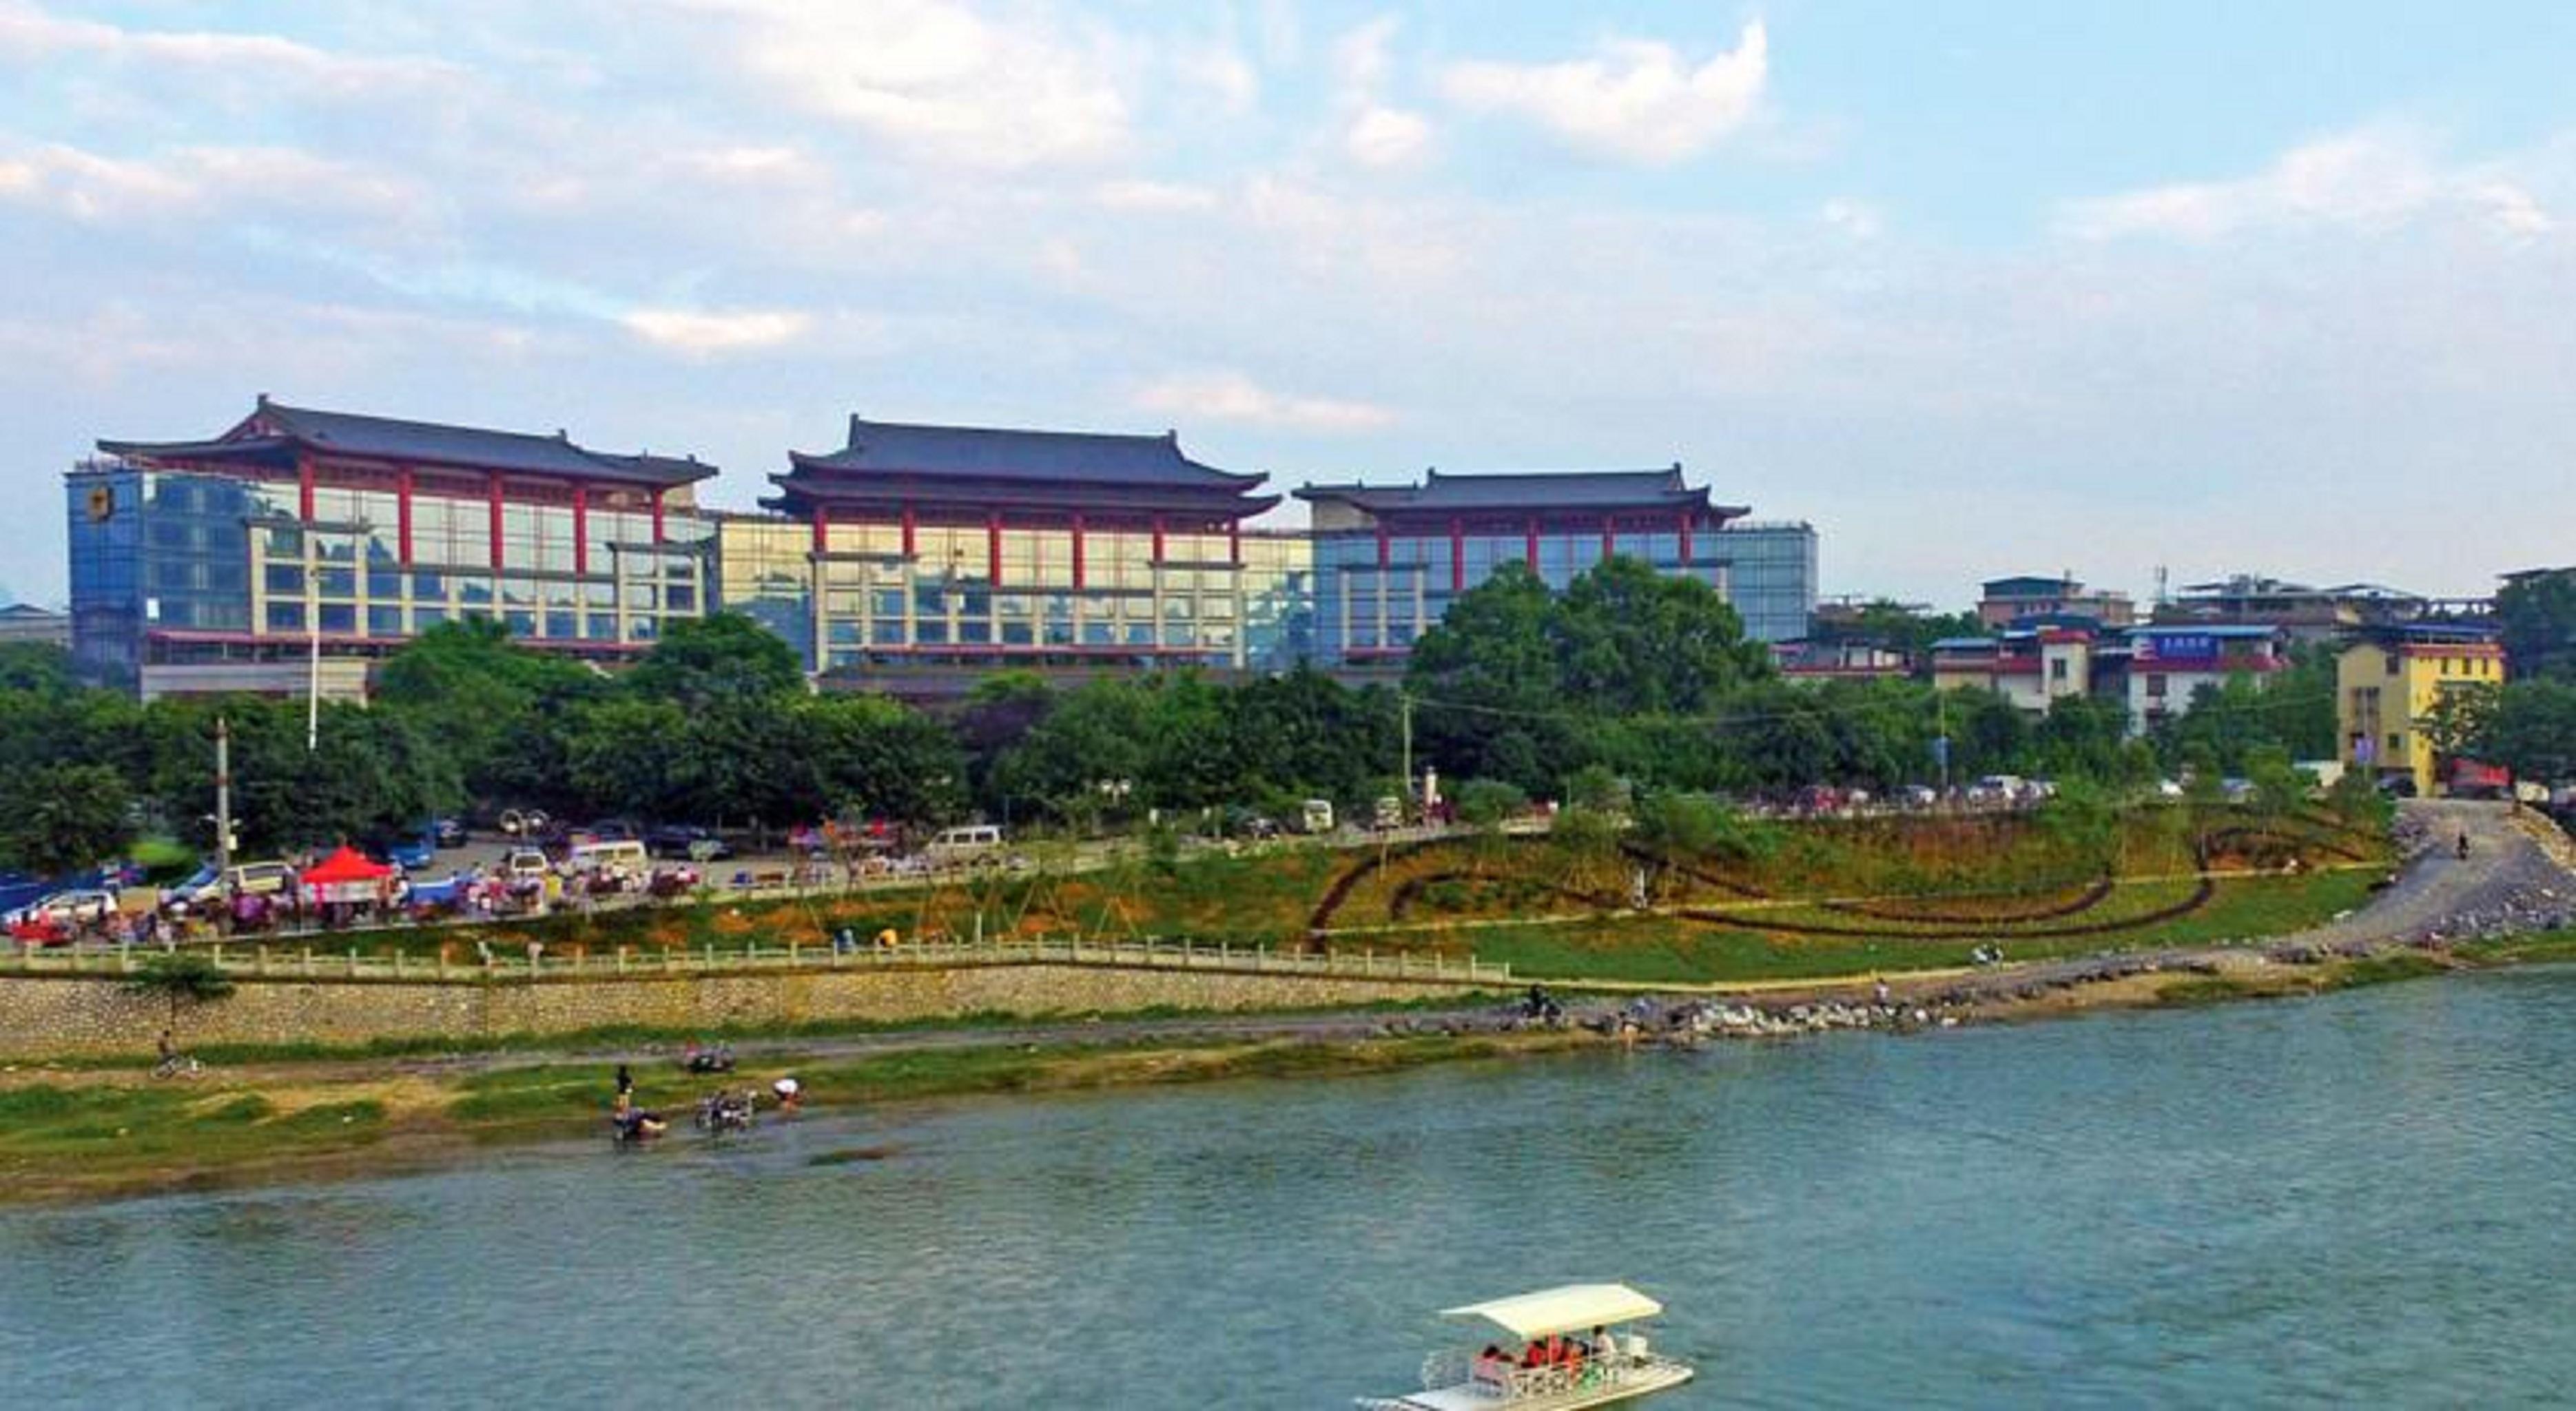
<point x="1389" y="559"/>
<point x="2008" y="602"/>
<point x="920" y="556"/>
<point x="300" y="531"/>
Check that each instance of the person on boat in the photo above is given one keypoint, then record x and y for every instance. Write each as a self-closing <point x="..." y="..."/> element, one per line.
<point x="1535" y="1355"/>
<point x="1604" y="1350"/>
<point x="1493" y="1365"/>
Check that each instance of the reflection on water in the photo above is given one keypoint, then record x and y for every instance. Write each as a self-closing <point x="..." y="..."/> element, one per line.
<point x="2354" y="1198"/>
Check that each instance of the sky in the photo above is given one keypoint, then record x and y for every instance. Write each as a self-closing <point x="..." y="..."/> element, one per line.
<point x="1977" y="289"/>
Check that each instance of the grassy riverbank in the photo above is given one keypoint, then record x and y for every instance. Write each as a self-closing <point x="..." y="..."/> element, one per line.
<point x="89" y="1135"/>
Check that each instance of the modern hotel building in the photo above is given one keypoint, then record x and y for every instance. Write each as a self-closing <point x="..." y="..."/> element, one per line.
<point x="912" y="558"/>
<point x="232" y="563"/>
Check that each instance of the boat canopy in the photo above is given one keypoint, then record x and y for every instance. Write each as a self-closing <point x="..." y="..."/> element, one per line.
<point x="1572" y="1309"/>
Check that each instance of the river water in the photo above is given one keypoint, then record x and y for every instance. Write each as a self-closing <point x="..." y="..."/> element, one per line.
<point x="2361" y="1198"/>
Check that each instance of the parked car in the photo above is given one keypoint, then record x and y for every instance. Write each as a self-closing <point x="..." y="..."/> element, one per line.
<point x="260" y="879"/>
<point x="525" y="864"/>
<point x="417" y="853"/>
<point x="64" y="909"/>
<point x="447" y="832"/>
<point x="201" y="887"/>
<point x="687" y="840"/>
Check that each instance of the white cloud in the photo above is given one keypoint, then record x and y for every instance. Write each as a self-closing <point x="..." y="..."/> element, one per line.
<point x="1232" y="397"/>
<point x="1360" y="61"/>
<point x="29" y="33"/>
<point x="1634" y="101"/>
<point x="934" y="78"/>
<point x="1374" y="133"/>
<point x="1222" y="73"/>
<point x="89" y="186"/>
<point x="1387" y="137"/>
<point x="1858" y="219"/>
<point x="2371" y="179"/>
<point x="706" y="333"/>
<point x="1153" y="196"/>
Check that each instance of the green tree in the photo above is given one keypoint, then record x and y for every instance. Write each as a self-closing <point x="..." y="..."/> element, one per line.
<point x="1485" y="805"/>
<point x="60" y="818"/>
<point x="725" y="656"/>
<point x="2536" y="613"/>
<point x="1489" y="700"/>
<point x="40" y="667"/>
<point x="181" y="979"/>
<point x="1084" y="761"/>
<point x="2082" y="824"/>
<point x="873" y="757"/>
<point x="2532" y="730"/>
<point x="495" y="708"/>
<point x="1631" y="641"/>
<point x="2462" y="720"/>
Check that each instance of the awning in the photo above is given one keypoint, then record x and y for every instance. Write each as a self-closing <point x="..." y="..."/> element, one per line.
<point x="1571" y="1309"/>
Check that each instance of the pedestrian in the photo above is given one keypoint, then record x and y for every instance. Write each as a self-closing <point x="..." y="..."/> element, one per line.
<point x="625" y="1081"/>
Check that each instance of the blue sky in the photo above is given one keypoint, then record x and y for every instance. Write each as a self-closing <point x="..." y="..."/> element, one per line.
<point x="1977" y="289"/>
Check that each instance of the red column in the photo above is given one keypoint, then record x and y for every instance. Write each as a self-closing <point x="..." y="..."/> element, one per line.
<point x="1077" y="551"/>
<point x="1158" y="538"/>
<point x="1609" y="535"/>
<point x="1385" y="550"/>
<point x="993" y="547"/>
<point x="1686" y="537"/>
<point x="581" y="529"/>
<point x="822" y="530"/>
<point x="1234" y="542"/>
<point x="911" y="531"/>
<point x="1457" y="557"/>
<point x="1532" y="551"/>
<point x="492" y="488"/>
<point x="402" y="514"/>
<point x="304" y="488"/>
<point x="657" y="516"/>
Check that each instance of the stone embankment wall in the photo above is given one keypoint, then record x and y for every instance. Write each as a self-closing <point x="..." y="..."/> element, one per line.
<point x="44" y="1015"/>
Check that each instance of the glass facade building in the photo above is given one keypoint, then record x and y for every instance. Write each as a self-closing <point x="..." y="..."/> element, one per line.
<point x="932" y="550"/>
<point x="1771" y="576"/>
<point x="1390" y="560"/>
<point x="361" y="532"/>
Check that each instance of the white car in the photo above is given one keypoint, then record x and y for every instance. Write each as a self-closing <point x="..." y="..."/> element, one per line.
<point x="66" y="908"/>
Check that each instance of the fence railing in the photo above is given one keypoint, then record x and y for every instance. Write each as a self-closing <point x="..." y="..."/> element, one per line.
<point x="537" y="962"/>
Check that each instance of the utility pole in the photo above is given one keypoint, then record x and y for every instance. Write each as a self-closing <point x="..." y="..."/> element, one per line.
<point x="1404" y="703"/>
<point x="313" y="662"/>
<point x="1941" y="739"/>
<point x="223" y="794"/>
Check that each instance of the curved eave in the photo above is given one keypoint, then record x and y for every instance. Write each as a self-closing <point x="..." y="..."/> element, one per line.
<point x="1207" y="477"/>
<point x="282" y="452"/>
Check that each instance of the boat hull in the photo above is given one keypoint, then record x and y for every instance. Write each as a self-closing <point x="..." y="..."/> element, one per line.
<point x="1637" y="1382"/>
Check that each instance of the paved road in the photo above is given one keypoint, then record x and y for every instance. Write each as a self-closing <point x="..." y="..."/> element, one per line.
<point x="2505" y="877"/>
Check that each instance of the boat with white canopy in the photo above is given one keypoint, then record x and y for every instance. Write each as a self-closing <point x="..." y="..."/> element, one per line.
<point x="1567" y="1350"/>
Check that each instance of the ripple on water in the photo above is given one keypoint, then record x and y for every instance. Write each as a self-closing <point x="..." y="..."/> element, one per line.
<point x="2351" y="1198"/>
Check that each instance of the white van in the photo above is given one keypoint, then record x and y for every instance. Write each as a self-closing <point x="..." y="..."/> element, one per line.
<point x="258" y="879"/>
<point x="959" y="844"/>
<point x="625" y="853"/>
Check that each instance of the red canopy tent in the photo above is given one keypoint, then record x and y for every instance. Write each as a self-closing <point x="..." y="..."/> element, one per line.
<point x="347" y="876"/>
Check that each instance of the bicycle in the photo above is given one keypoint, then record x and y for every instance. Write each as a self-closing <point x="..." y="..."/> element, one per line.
<point x="178" y="1065"/>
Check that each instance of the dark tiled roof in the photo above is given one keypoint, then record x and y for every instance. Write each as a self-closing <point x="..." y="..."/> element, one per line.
<point x="1533" y="491"/>
<point x="1001" y="454"/>
<point x="273" y="434"/>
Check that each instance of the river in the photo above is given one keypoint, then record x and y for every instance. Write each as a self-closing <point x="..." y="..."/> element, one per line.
<point x="2355" y="1198"/>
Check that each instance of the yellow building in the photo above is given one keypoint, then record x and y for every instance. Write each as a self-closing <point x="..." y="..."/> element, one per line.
<point x="2385" y="686"/>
